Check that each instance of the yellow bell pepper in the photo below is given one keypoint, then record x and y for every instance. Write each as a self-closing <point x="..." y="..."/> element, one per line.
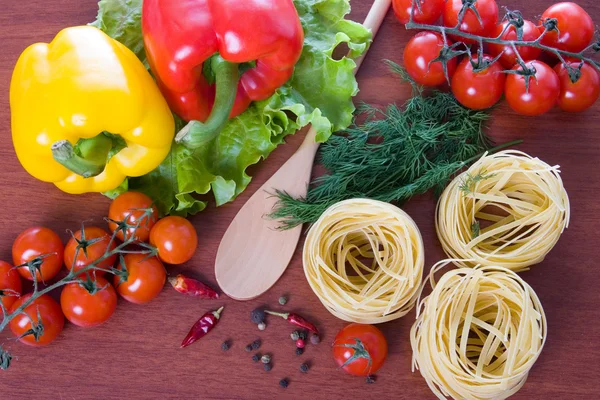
<point x="71" y="100"/>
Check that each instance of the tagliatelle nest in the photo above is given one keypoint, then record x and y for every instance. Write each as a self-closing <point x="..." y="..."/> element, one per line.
<point x="507" y="209"/>
<point x="478" y="333"/>
<point x="364" y="260"/>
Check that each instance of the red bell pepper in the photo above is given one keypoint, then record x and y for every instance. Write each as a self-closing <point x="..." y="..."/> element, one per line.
<point x="180" y="35"/>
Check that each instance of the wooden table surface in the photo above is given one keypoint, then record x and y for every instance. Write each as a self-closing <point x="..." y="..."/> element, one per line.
<point x="136" y="353"/>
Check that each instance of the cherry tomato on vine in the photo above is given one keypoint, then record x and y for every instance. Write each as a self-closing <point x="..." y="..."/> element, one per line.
<point x="360" y="350"/>
<point x="543" y="91"/>
<point x="574" y="24"/>
<point x="419" y="53"/>
<point x="478" y="90"/>
<point x="429" y="12"/>
<point x="581" y="95"/>
<point x="10" y="284"/>
<point x="95" y="244"/>
<point x="175" y="238"/>
<point x="508" y="58"/>
<point x="130" y="207"/>
<point x="52" y="320"/>
<point x="487" y="9"/>
<point x="85" y="309"/>
<point x="35" y="242"/>
<point x="143" y="280"/>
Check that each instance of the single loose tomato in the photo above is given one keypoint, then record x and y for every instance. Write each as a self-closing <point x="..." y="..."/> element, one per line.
<point x="508" y="58"/>
<point x="52" y="320"/>
<point x="487" y="9"/>
<point x="143" y="280"/>
<point x="419" y="53"/>
<point x="175" y="238"/>
<point x="543" y="91"/>
<point x="86" y="309"/>
<point x="10" y="284"/>
<point x="129" y="207"/>
<point x="478" y="90"/>
<point x="581" y="95"/>
<point x="427" y="12"/>
<point x="574" y="24"/>
<point x="36" y="242"/>
<point x="360" y="349"/>
<point x="89" y="245"/>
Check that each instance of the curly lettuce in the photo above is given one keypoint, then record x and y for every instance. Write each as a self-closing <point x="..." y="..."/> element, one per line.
<point x="319" y="93"/>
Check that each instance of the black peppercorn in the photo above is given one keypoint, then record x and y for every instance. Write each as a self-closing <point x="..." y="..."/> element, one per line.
<point x="256" y="344"/>
<point x="248" y="348"/>
<point x="302" y="334"/>
<point x="267" y="367"/>
<point x="304" y="368"/>
<point x="299" y="351"/>
<point x="371" y="379"/>
<point x="256" y="357"/>
<point x="257" y="315"/>
<point x="284" y="383"/>
<point x="226" y="345"/>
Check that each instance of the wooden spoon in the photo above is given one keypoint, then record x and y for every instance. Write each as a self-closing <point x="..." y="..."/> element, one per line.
<point x="253" y="254"/>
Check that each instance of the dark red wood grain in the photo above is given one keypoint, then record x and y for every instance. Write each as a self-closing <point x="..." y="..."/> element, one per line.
<point x="136" y="354"/>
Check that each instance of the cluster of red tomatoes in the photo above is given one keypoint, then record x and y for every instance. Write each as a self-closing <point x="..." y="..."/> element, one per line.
<point x="139" y="281"/>
<point x="481" y="89"/>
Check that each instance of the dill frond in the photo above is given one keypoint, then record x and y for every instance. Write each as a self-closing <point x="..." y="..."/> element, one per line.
<point x="395" y="154"/>
<point x="475" y="229"/>
<point x="470" y="181"/>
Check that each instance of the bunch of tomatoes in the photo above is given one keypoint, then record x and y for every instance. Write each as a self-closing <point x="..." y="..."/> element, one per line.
<point x="531" y="86"/>
<point x="91" y="299"/>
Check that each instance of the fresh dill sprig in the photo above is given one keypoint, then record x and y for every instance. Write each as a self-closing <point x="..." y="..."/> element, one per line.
<point x="470" y="181"/>
<point x="475" y="229"/>
<point x="394" y="155"/>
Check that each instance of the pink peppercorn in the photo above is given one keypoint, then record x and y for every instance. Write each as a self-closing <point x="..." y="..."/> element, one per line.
<point x="300" y="343"/>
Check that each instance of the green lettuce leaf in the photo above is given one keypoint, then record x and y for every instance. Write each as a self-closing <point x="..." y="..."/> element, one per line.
<point x="319" y="93"/>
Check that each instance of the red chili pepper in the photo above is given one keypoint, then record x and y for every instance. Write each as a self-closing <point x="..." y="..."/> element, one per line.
<point x="205" y="324"/>
<point x="193" y="287"/>
<point x="297" y="320"/>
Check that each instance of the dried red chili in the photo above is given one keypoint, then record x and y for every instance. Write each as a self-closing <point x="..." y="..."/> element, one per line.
<point x="297" y="320"/>
<point x="192" y="287"/>
<point x="205" y="324"/>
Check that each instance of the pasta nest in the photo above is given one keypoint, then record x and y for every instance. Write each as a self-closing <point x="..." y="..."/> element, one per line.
<point x="507" y="209"/>
<point x="478" y="333"/>
<point x="364" y="260"/>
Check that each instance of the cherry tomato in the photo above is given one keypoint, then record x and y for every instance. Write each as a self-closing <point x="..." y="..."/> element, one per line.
<point x="366" y="342"/>
<point x="145" y="278"/>
<point x="543" y="92"/>
<point x="508" y="58"/>
<point x="423" y="48"/>
<point x="10" y="284"/>
<point x="53" y="320"/>
<point x="128" y="206"/>
<point x="581" y="95"/>
<point x="487" y="9"/>
<point x="100" y="244"/>
<point x="85" y="309"/>
<point x="429" y="12"/>
<point x="175" y="238"/>
<point x="35" y="242"/>
<point x="575" y="25"/>
<point x="478" y="90"/>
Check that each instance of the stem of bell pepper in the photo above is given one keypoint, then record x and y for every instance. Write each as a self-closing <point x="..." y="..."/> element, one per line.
<point x="93" y="155"/>
<point x="197" y="133"/>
